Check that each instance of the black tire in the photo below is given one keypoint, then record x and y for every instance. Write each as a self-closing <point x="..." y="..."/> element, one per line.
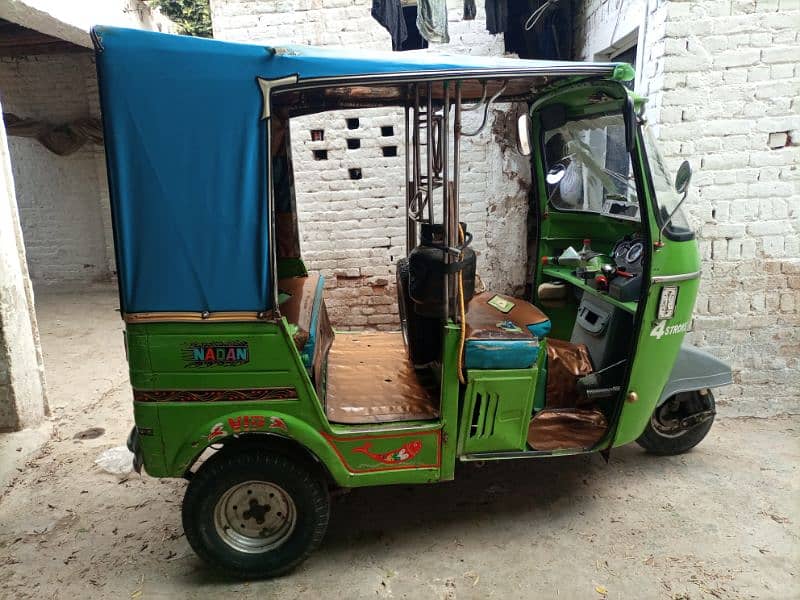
<point x="662" y="437"/>
<point x="232" y="474"/>
<point x="422" y="335"/>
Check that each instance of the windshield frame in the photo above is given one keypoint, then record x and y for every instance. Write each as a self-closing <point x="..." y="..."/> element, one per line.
<point x="660" y="210"/>
<point x="638" y="175"/>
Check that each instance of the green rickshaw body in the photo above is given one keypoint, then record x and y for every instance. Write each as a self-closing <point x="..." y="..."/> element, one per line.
<point x="227" y="337"/>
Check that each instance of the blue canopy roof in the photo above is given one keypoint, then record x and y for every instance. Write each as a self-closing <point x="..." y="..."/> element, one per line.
<point x="186" y="153"/>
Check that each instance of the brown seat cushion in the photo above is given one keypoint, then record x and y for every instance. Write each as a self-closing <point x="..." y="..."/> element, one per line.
<point x="299" y="307"/>
<point x="483" y="318"/>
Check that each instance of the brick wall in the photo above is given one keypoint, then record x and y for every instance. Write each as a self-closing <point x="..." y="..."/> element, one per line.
<point x="353" y="231"/>
<point x="58" y="196"/>
<point x="725" y="78"/>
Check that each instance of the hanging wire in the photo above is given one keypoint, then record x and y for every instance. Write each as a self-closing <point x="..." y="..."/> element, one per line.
<point x="486" y="111"/>
<point x="539" y="13"/>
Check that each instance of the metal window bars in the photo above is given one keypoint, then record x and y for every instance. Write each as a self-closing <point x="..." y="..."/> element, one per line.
<point x="428" y="125"/>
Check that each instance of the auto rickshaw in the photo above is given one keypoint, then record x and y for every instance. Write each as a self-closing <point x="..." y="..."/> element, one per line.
<point x="241" y="385"/>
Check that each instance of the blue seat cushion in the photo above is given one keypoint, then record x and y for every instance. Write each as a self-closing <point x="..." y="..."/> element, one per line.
<point x="500" y="354"/>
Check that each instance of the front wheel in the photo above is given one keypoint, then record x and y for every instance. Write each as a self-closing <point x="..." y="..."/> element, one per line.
<point x="679" y="424"/>
<point x="254" y="514"/>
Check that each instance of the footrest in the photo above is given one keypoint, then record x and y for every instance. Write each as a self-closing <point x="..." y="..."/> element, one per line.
<point x="566" y="429"/>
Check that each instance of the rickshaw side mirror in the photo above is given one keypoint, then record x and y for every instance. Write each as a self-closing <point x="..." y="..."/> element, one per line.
<point x="683" y="177"/>
<point x="524" y="134"/>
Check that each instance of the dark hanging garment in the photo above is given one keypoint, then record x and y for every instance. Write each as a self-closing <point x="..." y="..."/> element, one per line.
<point x="469" y="10"/>
<point x="389" y="13"/>
<point x="497" y="16"/>
<point x="432" y="20"/>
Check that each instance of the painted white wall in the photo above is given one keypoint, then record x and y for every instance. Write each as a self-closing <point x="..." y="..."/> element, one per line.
<point x="59" y="196"/>
<point x="22" y="400"/>
<point x="71" y="20"/>
<point x="723" y="79"/>
<point x="58" y="206"/>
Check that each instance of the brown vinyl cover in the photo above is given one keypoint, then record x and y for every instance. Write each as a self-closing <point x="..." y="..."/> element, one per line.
<point x="370" y="380"/>
<point x="325" y="339"/>
<point x="564" y="429"/>
<point x="566" y="362"/>
<point x="298" y="308"/>
<point x="482" y="318"/>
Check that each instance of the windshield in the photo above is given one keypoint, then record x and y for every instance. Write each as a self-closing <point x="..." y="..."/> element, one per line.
<point x="667" y="199"/>
<point x="589" y="169"/>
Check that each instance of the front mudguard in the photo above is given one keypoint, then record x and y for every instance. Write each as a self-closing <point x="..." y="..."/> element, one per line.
<point x="695" y="370"/>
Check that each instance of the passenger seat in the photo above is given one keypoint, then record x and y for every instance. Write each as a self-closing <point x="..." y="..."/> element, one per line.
<point x="305" y="309"/>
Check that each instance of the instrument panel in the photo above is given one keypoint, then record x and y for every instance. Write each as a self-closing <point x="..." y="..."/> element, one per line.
<point x="628" y="253"/>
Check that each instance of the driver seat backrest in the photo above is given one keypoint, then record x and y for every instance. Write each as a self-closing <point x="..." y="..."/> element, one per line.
<point x="503" y="339"/>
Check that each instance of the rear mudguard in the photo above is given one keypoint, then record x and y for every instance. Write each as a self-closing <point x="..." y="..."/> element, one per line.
<point x="221" y="429"/>
<point x="695" y="370"/>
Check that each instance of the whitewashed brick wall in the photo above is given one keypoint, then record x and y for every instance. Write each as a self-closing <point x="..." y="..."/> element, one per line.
<point x="60" y="202"/>
<point x="725" y="81"/>
<point x="354" y="230"/>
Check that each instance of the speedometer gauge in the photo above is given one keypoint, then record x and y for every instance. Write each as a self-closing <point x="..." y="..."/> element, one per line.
<point x="621" y="250"/>
<point x="634" y="253"/>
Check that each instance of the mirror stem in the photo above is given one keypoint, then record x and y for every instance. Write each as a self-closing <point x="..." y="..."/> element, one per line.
<point x="660" y="243"/>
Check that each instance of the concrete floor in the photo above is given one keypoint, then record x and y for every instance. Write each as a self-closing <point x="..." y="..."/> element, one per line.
<point x="720" y="522"/>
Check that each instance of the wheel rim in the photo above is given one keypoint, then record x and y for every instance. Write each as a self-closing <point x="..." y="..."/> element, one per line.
<point x="666" y="428"/>
<point x="255" y="516"/>
<point x="670" y="419"/>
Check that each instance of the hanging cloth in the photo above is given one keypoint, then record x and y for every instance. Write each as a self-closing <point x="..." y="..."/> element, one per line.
<point x="469" y="10"/>
<point x="389" y="13"/>
<point x="497" y="16"/>
<point x="432" y="20"/>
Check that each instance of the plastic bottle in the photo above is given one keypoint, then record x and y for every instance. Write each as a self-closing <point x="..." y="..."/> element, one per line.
<point x="586" y="252"/>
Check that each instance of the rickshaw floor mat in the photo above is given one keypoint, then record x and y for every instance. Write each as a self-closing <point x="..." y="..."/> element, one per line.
<point x="566" y="429"/>
<point x="371" y="380"/>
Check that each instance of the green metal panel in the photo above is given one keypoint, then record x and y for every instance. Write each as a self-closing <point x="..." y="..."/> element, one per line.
<point x="449" y="409"/>
<point x="657" y="343"/>
<point x="191" y="406"/>
<point x="497" y="409"/>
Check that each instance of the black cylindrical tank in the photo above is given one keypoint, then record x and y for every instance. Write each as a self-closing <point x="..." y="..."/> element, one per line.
<point x="427" y="268"/>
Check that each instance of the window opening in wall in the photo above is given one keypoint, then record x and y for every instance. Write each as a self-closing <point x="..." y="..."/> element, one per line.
<point x="352" y="123"/>
<point x="320" y="155"/>
<point x="317" y="135"/>
<point x="535" y="28"/>
<point x="354" y="173"/>
<point x="353" y="143"/>
<point x="389" y="150"/>
<point x="628" y="56"/>
<point x="387" y="130"/>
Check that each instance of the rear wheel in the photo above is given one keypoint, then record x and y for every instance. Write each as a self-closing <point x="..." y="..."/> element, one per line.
<point x="679" y="424"/>
<point x="255" y="514"/>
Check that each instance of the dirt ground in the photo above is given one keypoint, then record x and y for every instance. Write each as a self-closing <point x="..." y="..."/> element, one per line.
<point x="720" y="522"/>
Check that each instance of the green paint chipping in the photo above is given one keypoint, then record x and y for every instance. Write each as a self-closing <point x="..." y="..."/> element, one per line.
<point x="623" y="72"/>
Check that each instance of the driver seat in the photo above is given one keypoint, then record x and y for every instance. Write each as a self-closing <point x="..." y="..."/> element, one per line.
<point x="503" y="332"/>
